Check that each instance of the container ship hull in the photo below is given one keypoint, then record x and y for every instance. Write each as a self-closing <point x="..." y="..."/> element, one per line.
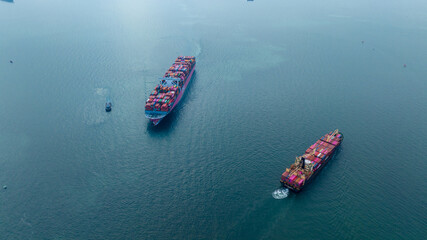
<point x="170" y="83"/>
<point x="307" y="166"/>
<point x="294" y="189"/>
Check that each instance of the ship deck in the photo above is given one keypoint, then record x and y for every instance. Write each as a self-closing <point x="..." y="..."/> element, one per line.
<point x="312" y="176"/>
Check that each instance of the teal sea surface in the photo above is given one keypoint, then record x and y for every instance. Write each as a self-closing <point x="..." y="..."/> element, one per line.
<point x="271" y="78"/>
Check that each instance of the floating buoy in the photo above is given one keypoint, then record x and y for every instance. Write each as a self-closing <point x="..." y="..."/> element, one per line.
<point x="4" y="187"/>
<point x="10" y="61"/>
<point x="404" y="65"/>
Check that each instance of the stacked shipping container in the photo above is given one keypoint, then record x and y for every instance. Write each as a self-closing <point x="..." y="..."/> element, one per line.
<point x="314" y="158"/>
<point x="163" y="97"/>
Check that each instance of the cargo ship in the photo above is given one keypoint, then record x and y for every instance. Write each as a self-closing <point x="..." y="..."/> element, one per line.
<point x="307" y="166"/>
<point x="169" y="91"/>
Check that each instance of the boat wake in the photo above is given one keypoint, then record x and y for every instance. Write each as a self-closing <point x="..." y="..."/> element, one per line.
<point x="280" y="193"/>
<point x="101" y="91"/>
<point x="198" y="49"/>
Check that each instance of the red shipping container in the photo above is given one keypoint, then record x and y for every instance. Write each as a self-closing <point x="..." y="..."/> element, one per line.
<point x="149" y="106"/>
<point x="285" y="174"/>
<point x="164" y="108"/>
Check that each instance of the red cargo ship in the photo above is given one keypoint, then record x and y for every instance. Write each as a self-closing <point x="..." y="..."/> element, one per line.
<point x="169" y="92"/>
<point x="311" y="162"/>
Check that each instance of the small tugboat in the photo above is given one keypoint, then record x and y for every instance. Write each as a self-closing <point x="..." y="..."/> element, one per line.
<point x="108" y="105"/>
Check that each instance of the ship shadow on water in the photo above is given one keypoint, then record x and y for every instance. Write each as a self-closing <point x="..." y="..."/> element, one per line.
<point x="169" y="122"/>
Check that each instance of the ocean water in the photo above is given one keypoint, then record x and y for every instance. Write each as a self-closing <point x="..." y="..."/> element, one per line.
<point x="271" y="78"/>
